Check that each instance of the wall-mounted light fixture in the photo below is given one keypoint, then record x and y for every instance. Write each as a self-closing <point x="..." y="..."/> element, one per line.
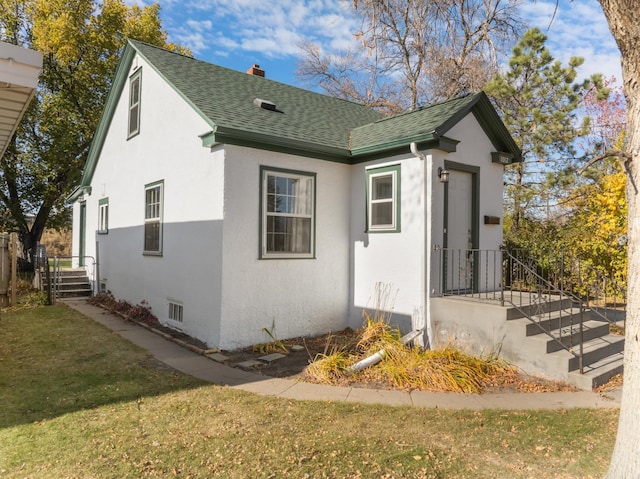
<point x="443" y="174"/>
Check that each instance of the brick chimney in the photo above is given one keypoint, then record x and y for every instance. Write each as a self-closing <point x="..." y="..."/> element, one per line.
<point x="256" y="70"/>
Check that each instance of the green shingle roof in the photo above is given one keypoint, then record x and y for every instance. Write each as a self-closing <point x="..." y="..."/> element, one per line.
<point x="226" y="97"/>
<point x="430" y="124"/>
<point x="305" y="123"/>
<point x="422" y="122"/>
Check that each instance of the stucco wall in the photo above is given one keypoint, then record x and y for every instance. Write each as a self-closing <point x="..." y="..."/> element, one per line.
<point x="396" y="259"/>
<point x="295" y="297"/>
<point x="393" y="260"/>
<point x="475" y="149"/>
<point x="188" y="272"/>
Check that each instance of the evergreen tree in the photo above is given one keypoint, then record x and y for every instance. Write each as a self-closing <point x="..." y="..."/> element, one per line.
<point x="539" y="102"/>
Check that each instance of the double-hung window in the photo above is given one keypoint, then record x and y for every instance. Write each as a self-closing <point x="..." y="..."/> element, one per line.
<point x="383" y="199"/>
<point x="134" y="104"/>
<point x="288" y="214"/>
<point x="153" y="199"/>
<point x="103" y="216"/>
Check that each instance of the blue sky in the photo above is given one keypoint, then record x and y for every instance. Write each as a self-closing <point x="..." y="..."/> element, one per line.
<point x="239" y="33"/>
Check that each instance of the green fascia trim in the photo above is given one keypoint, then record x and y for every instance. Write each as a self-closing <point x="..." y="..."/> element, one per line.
<point x="490" y="122"/>
<point x="494" y="128"/>
<point x="78" y="192"/>
<point x="442" y="143"/>
<point x="179" y="92"/>
<point x="230" y="136"/>
<point x="121" y="78"/>
<point x="430" y="141"/>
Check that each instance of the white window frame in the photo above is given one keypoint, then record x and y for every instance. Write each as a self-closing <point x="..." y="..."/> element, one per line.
<point x="392" y="172"/>
<point x="175" y="311"/>
<point x="266" y="243"/>
<point x="153" y="214"/>
<point x="133" y="128"/>
<point x="103" y="216"/>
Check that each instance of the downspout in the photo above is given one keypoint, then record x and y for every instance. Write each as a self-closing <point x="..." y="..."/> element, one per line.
<point x="426" y="264"/>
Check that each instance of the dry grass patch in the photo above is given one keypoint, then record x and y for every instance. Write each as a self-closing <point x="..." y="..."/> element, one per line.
<point x="446" y="368"/>
<point x="80" y="402"/>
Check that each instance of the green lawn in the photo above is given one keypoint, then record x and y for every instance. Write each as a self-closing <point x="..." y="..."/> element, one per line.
<point x="76" y="401"/>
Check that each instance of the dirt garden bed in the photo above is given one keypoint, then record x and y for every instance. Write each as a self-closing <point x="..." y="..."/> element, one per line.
<point x="298" y="353"/>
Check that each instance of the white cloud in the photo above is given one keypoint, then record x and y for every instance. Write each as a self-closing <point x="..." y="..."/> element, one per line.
<point x="272" y="29"/>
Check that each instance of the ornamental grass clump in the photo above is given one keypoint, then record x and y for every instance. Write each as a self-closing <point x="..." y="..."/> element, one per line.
<point x="405" y="367"/>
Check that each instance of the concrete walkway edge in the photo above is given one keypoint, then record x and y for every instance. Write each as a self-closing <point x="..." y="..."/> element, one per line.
<point x="208" y="370"/>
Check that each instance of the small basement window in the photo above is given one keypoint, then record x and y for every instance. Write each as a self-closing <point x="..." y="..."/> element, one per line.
<point x="175" y="311"/>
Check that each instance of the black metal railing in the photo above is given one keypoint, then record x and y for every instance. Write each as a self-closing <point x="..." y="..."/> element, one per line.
<point x="605" y="296"/>
<point x="554" y="292"/>
<point x="555" y="310"/>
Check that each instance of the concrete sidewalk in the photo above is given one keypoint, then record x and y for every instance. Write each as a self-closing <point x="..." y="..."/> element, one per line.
<point x="206" y="369"/>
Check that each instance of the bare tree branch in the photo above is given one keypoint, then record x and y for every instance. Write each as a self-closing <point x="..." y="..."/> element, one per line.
<point x="622" y="155"/>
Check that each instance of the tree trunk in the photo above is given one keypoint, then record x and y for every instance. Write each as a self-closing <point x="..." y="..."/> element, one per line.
<point x="625" y="462"/>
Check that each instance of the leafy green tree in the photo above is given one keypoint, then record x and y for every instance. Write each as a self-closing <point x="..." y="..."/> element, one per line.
<point x="81" y="42"/>
<point x="539" y="101"/>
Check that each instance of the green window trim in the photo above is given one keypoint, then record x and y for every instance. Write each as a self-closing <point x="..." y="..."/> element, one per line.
<point x="135" y="92"/>
<point x="287" y="214"/>
<point x="103" y="216"/>
<point x="383" y="197"/>
<point x="153" y="218"/>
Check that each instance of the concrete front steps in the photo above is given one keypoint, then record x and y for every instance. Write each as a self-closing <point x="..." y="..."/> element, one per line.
<point x="602" y="353"/>
<point x="536" y="344"/>
<point x="73" y="283"/>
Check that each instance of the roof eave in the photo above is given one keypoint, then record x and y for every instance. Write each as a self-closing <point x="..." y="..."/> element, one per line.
<point x="496" y="131"/>
<point x="121" y="75"/>
<point x="424" y="141"/>
<point x="233" y="136"/>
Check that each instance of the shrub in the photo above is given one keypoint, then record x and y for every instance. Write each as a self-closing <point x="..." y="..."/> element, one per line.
<point x="140" y="313"/>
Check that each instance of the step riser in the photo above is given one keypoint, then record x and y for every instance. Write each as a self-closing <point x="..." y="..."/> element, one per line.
<point x="573" y="340"/>
<point x="70" y="283"/>
<point x="591" y="381"/>
<point x="537" y="309"/>
<point x="77" y="285"/>
<point x="551" y="324"/>
<point x="73" y="294"/>
<point x="609" y="349"/>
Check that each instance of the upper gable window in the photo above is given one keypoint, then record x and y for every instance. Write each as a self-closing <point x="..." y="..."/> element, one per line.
<point x="383" y="199"/>
<point x="134" y="104"/>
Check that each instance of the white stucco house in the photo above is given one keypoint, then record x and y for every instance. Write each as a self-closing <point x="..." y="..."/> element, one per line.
<point x="232" y="203"/>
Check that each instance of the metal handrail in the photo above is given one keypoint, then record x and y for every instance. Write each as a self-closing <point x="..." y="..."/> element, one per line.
<point x="56" y="271"/>
<point x="584" y="281"/>
<point x="536" y="298"/>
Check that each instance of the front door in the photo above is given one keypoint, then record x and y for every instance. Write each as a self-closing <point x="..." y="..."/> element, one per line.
<point x="460" y="228"/>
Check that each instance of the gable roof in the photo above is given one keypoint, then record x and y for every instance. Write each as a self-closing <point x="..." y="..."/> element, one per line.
<point x="296" y="121"/>
<point x="428" y="126"/>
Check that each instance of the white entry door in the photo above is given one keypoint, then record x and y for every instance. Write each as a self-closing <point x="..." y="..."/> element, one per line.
<point x="459" y="234"/>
